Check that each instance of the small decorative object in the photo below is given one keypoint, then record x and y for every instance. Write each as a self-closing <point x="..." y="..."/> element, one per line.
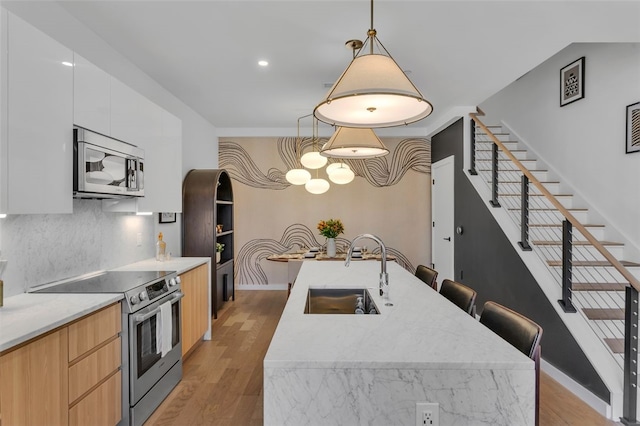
<point x="572" y="82"/>
<point x="633" y="128"/>
<point x="161" y="249"/>
<point x="330" y="230"/>
<point x="167" y="217"/>
<point x="219" y="228"/>
<point x="219" y="250"/>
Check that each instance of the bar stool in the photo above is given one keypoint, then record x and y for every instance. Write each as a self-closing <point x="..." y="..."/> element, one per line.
<point x="518" y="330"/>
<point x="461" y="295"/>
<point x="427" y="275"/>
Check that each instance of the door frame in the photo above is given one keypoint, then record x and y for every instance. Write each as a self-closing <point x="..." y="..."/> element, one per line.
<point x="438" y="246"/>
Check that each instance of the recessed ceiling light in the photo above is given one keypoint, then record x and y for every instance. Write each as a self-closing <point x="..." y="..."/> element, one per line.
<point x="68" y="64"/>
<point x="263" y="63"/>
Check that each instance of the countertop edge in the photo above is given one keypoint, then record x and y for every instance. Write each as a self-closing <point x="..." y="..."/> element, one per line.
<point x="105" y="300"/>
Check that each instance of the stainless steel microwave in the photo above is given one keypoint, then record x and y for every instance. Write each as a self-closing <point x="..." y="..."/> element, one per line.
<point x="105" y="167"/>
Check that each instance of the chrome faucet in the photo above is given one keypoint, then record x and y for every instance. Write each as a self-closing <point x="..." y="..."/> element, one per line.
<point x="384" y="277"/>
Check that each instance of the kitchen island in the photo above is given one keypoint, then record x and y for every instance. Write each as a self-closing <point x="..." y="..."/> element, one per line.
<point x="373" y="369"/>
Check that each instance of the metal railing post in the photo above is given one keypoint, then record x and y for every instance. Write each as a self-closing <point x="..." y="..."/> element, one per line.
<point x="472" y="170"/>
<point x="494" y="176"/>
<point x="567" y="252"/>
<point x="630" y="357"/>
<point x="524" y="214"/>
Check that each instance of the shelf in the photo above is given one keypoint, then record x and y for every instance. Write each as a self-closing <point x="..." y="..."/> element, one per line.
<point x="224" y="202"/>
<point x="223" y="233"/>
<point x="223" y="263"/>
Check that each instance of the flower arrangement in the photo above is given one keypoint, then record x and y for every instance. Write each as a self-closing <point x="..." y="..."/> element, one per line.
<point x="330" y="228"/>
<point x="219" y="247"/>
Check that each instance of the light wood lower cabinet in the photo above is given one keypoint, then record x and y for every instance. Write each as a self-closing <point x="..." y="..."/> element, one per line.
<point x="101" y="407"/>
<point x="34" y="384"/>
<point x="93" y="369"/>
<point x="89" y="332"/>
<point x="195" y="306"/>
<point x="70" y="376"/>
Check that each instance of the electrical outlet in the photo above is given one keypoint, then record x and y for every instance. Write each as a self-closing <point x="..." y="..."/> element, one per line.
<point x="139" y="239"/>
<point x="427" y="414"/>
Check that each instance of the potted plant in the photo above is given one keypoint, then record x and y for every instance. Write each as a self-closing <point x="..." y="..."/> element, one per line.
<point x="330" y="229"/>
<point x="219" y="250"/>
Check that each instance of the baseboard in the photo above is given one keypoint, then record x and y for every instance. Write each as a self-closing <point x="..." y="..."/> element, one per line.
<point x="577" y="389"/>
<point x="261" y="287"/>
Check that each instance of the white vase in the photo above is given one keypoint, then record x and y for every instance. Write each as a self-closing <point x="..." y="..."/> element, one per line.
<point x="331" y="247"/>
<point x="218" y="257"/>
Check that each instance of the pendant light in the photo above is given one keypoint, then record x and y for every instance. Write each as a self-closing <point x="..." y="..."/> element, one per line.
<point x="341" y="175"/>
<point x="298" y="176"/>
<point x="331" y="167"/>
<point x="350" y="142"/>
<point x="372" y="92"/>
<point x="313" y="159"/>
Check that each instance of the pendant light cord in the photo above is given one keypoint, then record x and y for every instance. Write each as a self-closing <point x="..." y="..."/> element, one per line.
<point x="298" y="142"/>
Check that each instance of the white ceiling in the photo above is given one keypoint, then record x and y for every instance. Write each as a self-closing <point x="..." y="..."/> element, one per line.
<point x="458" y="52"/>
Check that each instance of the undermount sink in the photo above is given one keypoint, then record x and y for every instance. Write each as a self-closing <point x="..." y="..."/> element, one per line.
<point x="339" y="301"/>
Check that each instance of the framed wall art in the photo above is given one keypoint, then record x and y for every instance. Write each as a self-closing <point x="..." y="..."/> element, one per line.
<point x="572" y="82"/>
<point x="167" y="217"/>
<point x="633" y="128"/>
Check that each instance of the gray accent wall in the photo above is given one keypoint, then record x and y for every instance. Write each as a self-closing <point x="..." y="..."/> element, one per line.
<point x="486" y="261"/>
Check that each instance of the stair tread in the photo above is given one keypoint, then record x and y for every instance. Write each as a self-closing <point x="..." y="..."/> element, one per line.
<point x="580" y="242"/>
<point x="489" y="170"/>
<point x="559" y="225"/>
<point x="505" y="159"/>
<point x="518" y="181"/>
<point x="616" y="345"/>
<point x="534" y="195"/>
<point x="512" y="150"/>
<point x="549" y="209"/>
<point x="624" y="263"/>
<point x="598" y="286"/>
<point x="604" y="313"/>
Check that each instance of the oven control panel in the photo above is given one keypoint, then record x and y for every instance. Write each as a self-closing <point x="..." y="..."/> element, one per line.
<point x="143" y="296"/>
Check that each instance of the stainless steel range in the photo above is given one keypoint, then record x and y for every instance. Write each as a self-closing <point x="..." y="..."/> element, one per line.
<point x="152" y="341"/>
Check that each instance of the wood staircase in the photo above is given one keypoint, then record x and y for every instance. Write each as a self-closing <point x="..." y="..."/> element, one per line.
<point x="598" y="289"/>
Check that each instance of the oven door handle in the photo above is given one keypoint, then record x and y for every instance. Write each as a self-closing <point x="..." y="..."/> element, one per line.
<point x="143" y="317"/>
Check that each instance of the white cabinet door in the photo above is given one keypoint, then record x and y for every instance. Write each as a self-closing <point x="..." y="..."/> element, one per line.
<point x="134" y="118"/>
<point x="3" y="111"/>
<point x="39" y="122"/>
<point x="163" y="168"/>
<point x="91" y="96"/>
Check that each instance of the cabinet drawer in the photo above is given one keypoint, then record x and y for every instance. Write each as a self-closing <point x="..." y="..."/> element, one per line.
<point x="102" y="407"/>
<point x="94" y="329"/>
<point x="89" y="371"/>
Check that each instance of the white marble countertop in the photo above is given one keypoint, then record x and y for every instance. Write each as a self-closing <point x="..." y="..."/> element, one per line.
<point x="29" y="315"/>
<point x="422" y="330"/>
<point x="179" y="264"/>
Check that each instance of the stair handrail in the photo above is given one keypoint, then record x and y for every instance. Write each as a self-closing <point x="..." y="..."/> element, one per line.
<point x="583" y="230"/>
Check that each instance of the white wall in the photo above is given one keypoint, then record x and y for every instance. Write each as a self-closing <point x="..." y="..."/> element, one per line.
<point x="583" y="142"/>
<point x="43" y="248"/>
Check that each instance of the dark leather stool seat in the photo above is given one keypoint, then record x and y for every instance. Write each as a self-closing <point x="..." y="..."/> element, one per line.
<point x="518" y="330"/>
<point x="427" y="275"/>
<point x="461" y="295"/>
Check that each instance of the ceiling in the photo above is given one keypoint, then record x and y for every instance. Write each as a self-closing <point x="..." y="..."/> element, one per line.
<point x="458" y="53"/>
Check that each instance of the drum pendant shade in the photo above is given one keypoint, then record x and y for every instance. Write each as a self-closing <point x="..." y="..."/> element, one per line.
<point x="354" y="143"/>
<point x="372" y="92"/>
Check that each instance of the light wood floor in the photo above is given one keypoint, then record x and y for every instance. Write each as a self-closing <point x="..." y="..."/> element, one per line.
<point x="222" y="379"/>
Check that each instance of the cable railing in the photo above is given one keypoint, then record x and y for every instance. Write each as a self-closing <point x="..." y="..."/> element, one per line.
<point x="591" y="278"/>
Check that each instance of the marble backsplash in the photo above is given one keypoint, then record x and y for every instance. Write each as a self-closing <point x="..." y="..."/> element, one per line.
<point x="45" y="248"/>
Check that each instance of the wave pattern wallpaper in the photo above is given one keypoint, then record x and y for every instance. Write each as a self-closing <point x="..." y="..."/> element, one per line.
<point x="390" y="197"/>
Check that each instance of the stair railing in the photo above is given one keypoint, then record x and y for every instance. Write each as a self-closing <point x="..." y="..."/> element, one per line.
<point x="569" y="223"/>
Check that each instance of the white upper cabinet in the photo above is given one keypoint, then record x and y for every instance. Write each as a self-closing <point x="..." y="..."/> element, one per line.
<point x="39" y="122"/>
<point x="137" y="120"/>
<point x="91" y="96"/>
<point x="163" y="167"/>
